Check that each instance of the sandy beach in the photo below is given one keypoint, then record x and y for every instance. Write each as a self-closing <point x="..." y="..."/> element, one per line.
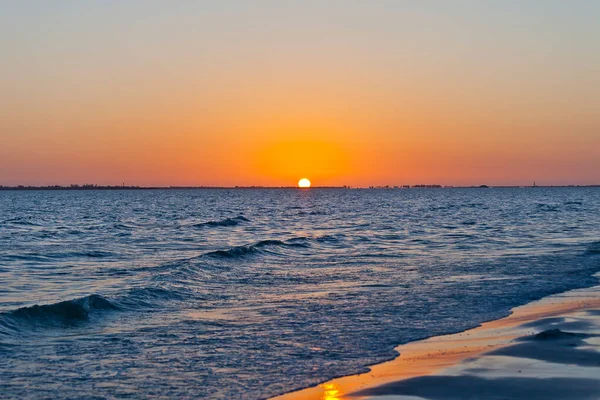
<point x="548" y="349"/>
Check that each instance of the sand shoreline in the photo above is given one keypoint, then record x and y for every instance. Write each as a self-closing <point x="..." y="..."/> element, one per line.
<point x="491" y="358"/>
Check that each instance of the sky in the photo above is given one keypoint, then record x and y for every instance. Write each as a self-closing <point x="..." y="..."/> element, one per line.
<point x="265" y="92"/>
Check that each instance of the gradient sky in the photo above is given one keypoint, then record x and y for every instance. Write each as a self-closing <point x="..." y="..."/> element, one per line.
<point x="265" y="92"/>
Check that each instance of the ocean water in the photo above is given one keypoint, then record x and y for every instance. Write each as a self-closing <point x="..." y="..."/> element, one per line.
<point x="251" y="293"/>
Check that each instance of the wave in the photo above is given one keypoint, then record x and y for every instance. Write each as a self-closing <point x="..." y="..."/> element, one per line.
<point x="311" y="213"/>
<point x="474" y="205"/>
<point x="222" y="223"/>
<point x="547" y="207"/>
<point x="23" y="221"/>
<point x="573" y="203"/>
<point x="80" y="310"/>
<point x="469" y="223"/>
<point x="88" y="254"/>
<point x="241" y="251"/>
<point x="234" y="252"/>
<point x="58" y="256"/>
<point x="64" y="313"/>
<point x="330" y="238"/>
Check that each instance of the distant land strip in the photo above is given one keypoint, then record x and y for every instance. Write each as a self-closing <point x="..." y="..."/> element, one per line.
<point x="124" y="187"/>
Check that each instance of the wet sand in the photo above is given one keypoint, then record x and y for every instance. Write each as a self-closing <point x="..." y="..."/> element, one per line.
<point x="548" y="349"/>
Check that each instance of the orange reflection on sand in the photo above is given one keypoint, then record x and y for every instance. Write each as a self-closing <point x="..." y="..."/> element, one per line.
<point x="331" y="391"/>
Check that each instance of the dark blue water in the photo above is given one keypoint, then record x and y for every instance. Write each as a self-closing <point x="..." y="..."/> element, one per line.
<point x="251" y="293"/>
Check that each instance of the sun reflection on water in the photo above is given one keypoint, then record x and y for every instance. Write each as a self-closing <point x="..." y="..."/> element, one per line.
<point x="331" y="392"/>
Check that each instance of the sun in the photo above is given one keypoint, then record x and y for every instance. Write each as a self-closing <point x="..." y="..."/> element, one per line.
<point x="303" y="183"/>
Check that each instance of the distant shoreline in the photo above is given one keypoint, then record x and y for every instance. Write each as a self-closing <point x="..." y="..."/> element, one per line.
<point x="98" y="187"/>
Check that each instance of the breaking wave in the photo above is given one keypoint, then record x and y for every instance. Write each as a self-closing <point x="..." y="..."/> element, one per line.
<point x="72" y="312"/>
<point x="64" y="313"/>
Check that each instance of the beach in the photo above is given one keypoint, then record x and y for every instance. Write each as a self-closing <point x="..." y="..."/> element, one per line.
<point x="547" y="349"/>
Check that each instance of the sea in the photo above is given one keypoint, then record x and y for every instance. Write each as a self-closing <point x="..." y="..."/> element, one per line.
<point x="250" y="293"/>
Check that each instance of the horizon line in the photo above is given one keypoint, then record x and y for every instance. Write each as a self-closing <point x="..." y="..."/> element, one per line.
<point x="372" y="187"/>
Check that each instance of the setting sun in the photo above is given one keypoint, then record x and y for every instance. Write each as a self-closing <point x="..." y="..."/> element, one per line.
<point x="304" y="183"/>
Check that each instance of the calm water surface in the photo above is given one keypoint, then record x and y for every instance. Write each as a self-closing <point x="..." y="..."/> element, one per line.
<point x="251" y="293"/>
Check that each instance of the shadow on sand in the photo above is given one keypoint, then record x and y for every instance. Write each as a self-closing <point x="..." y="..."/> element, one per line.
<point x="472" y="387"/>
<point x="553" y="345"/>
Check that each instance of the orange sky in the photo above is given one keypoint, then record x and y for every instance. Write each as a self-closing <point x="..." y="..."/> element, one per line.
<point x="353" y="93"/>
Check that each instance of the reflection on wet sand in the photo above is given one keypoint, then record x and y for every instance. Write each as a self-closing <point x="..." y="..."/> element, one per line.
<point x="330" y="391"/>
